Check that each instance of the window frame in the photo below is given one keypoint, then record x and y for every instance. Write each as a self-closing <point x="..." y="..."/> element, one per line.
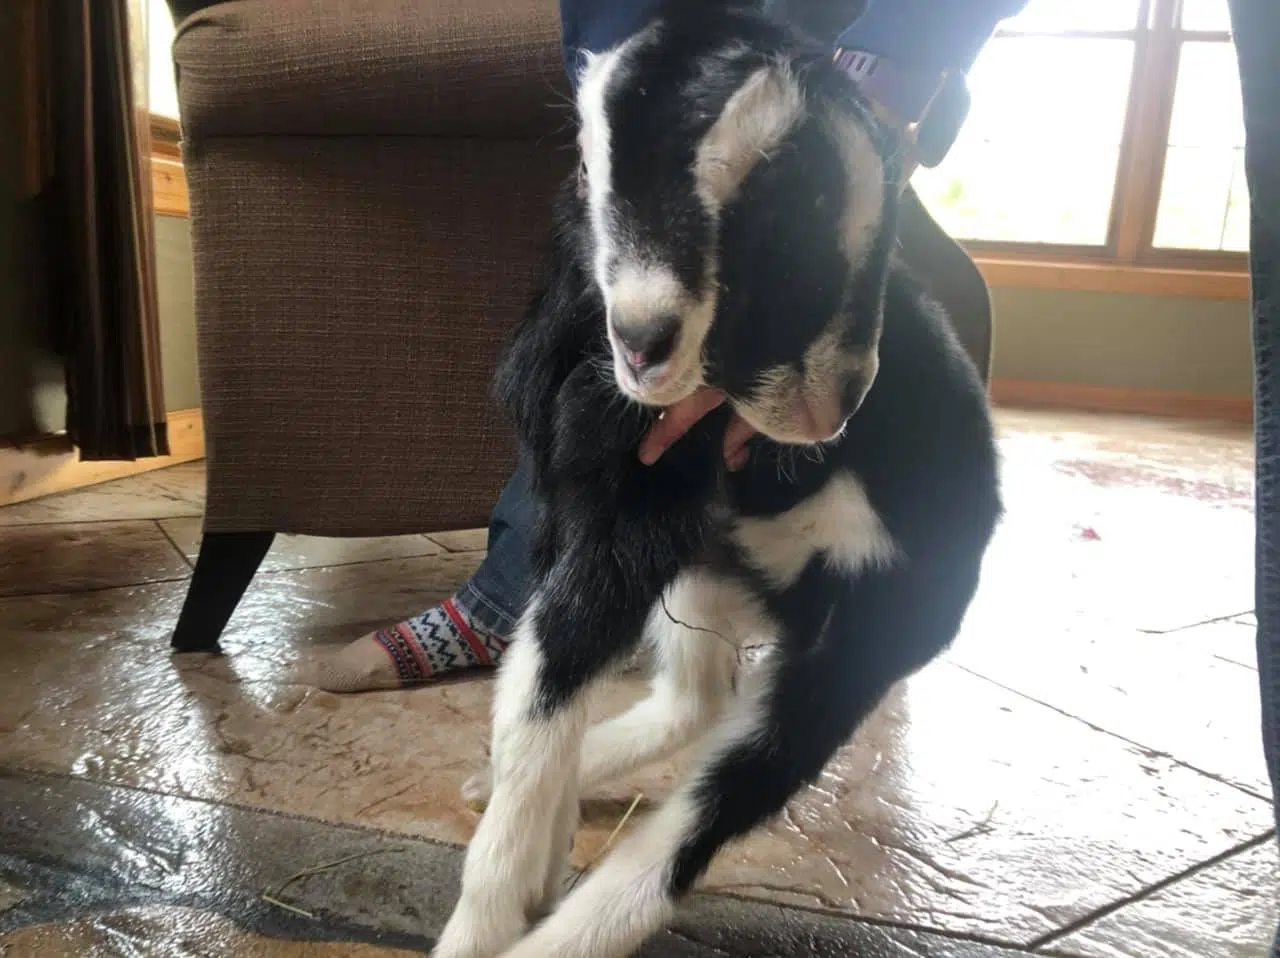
<point x="1129" y="259"/>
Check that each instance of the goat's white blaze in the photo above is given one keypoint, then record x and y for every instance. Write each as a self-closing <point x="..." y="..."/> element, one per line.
<point x="594" y="144"/>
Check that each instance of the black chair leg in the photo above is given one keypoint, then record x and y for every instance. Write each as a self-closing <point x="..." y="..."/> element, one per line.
<point x="224" y="570"/>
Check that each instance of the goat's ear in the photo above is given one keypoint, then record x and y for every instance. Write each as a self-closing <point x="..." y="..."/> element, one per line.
<point x="553" y="332"/>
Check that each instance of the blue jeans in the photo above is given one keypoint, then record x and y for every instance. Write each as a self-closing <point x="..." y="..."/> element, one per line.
<point x="1256" y="26"/>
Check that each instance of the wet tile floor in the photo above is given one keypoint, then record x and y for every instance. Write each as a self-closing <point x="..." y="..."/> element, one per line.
<point x="1081" y="775"/>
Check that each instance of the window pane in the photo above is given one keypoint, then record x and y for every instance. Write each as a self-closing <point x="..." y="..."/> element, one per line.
<point x="163" y="90"/>
<point x="1036" y="161"/>
<point x="1207" y="108"/>
<point x="1043" y="16"/>
<point x="1205" y="15"/>
<point x="1203" y="199"/>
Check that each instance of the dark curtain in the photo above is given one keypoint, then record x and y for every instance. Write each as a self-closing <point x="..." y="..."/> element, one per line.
<point x="90" y="265"/>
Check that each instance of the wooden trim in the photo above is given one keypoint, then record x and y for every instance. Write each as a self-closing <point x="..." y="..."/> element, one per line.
<point x="166" y="136"/>
<point x="168" y="179"/>
<point x="1039" y="252"/>
<point x="1221" y="260"/>
<point x="46" y="466"/>
<point x="1146" y="137"/>
<point x="169" y="187"/>
<point x="1104" y="277"/>
<point x="1146" y="402"/>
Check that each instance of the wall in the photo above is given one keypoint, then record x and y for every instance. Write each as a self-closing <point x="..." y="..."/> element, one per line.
<point x="1124" y="340"/>
<point x="177" y="313"/>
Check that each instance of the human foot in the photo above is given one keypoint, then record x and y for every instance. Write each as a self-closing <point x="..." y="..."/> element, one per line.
<point x="440" y="641"/>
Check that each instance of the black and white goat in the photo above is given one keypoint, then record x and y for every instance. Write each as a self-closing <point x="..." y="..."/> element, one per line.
<point x="732" y="224"/>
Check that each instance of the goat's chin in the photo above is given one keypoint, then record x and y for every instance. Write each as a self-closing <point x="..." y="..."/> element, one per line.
<point x="794" y="434"/>
<point x="667" y="390"/>
<point x="798" y="428"/>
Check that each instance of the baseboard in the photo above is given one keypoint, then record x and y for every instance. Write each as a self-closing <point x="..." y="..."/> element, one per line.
<point x="51" y="465"/>
<point x="1146" y="402"/>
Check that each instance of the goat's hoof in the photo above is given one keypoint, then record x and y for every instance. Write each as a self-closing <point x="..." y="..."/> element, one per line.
<point x="477" y="790"/>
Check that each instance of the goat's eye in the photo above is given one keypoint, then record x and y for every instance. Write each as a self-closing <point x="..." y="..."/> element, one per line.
<point x="582" y="180"/>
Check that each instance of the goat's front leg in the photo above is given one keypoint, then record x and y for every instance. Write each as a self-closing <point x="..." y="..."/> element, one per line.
<point x="512" y="862"/>
<point x="584" y="617"/>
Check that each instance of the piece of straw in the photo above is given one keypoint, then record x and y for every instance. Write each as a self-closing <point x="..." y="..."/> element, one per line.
<point x="273" y="897"/>
<point x="608" y="842"/>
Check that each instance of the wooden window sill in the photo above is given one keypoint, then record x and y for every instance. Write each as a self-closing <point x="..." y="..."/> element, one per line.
<point x="1112" y="278"/>
<point x="168" y="179"/>
<point x="169" y="186"/>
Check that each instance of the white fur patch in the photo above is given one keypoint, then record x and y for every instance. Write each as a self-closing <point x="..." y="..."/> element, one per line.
<point x="695" y="632"/>
<point x="754" y="121"/>
<point x="640" y="292"/>
<point x="864" y="193"/>
<point x="785" y="399"/>
<point x="839" y="521"/>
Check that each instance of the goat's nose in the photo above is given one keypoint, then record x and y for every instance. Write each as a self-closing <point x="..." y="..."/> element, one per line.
<point x="648" y="343"/>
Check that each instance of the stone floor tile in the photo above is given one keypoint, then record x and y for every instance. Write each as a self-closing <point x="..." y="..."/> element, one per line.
<point x="78" y="557"/>
<point x="1229" y="910"/>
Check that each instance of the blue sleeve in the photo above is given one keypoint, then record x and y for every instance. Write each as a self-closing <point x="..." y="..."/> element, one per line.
<point x="597" y="25"/>
<point x="932" y="35"/>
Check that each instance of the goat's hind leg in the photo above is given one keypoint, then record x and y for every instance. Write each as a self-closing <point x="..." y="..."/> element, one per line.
<point x="693" y="631"/>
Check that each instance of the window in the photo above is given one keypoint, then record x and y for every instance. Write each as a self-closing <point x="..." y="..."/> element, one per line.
<point x="1204" y="203"/>
<point x="163" y="89"/>
<point x="1102" y="130"/>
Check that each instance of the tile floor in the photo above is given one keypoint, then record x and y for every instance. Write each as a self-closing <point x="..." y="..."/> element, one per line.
<point x="1081" y="775"/>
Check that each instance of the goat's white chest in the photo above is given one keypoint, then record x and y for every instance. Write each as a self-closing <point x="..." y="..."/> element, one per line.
<point x="838" y="522"/>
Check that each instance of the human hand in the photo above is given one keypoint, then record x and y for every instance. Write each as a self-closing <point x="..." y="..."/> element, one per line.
<point x="677" y="420"/>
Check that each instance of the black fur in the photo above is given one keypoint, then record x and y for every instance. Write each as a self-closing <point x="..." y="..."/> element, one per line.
<point x="612" y="534"/>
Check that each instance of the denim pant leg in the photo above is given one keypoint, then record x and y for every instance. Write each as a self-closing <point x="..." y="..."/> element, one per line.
<point x="494" y="596"/>
<point x="1256" y="25"/>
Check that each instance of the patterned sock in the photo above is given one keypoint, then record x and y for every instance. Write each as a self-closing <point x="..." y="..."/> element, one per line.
<point x="437" y="642"/>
